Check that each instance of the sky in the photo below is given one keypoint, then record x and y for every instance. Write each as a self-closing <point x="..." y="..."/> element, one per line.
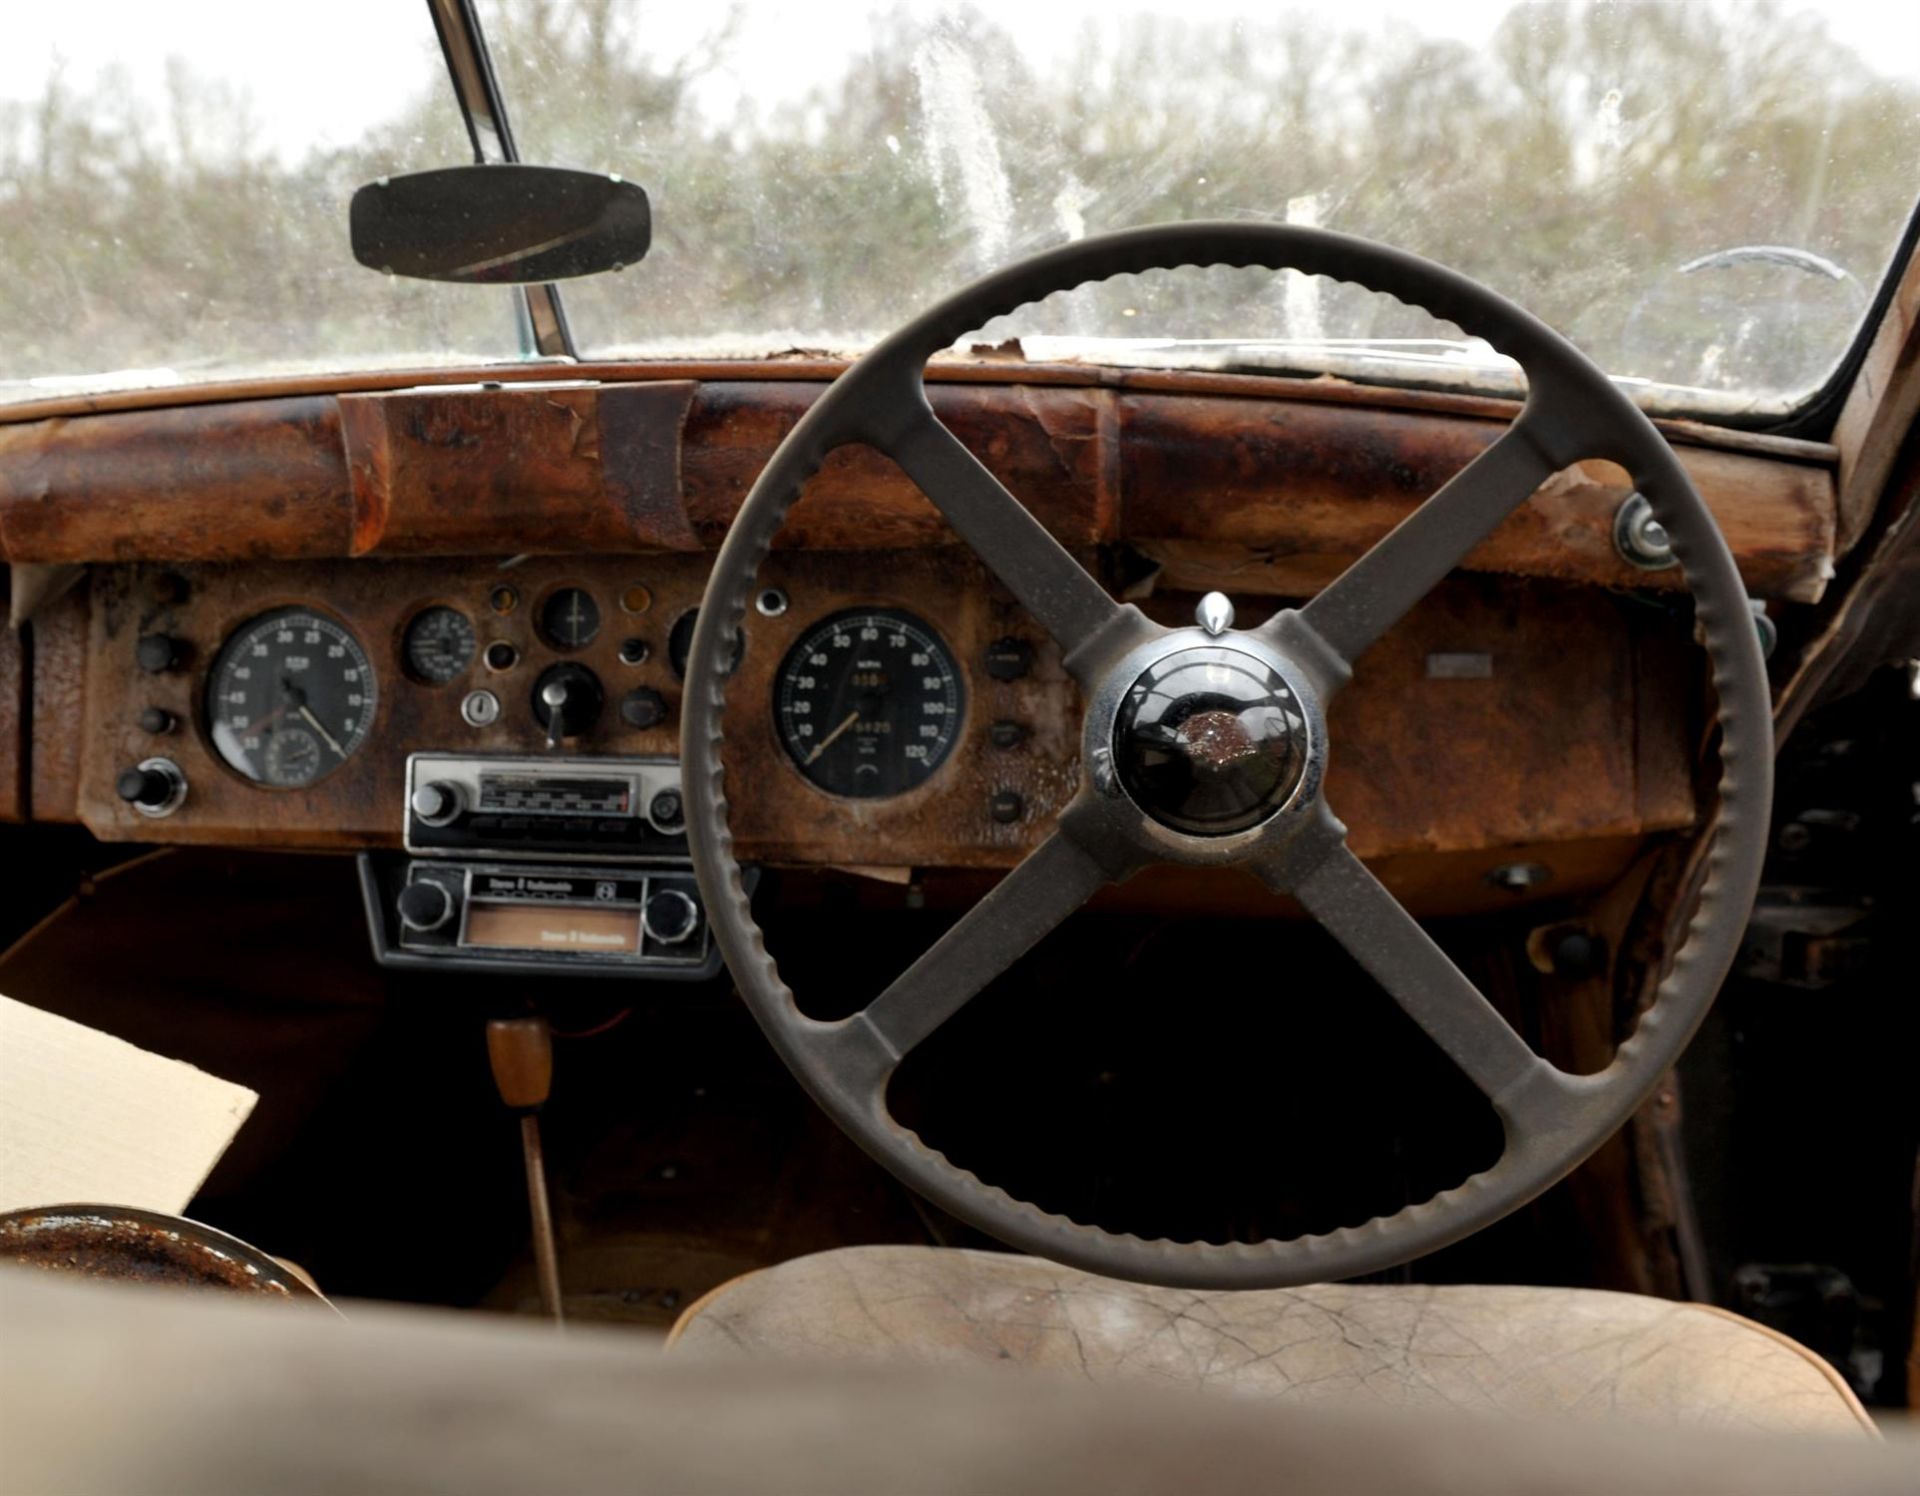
<point x="316" y="83"/>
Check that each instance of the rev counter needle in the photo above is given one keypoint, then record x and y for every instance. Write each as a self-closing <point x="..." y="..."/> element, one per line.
<point x="827" y="742"/>
<point x="314" y="723"/>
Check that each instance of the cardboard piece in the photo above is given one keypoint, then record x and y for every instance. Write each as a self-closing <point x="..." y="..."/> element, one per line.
<point x="86" y="1118"/>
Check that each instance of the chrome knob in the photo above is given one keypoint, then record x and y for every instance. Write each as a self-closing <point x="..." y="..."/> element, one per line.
<point x="1214" y="613"/>
<point x="670" y="917"/>
<point x="435" y="803"/>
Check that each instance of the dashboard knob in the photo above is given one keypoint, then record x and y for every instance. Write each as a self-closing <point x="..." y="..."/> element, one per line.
<point x="154" y="787"/>
<point x="643" y="707"/>
<point x="670" y="917"/>
<point x="667" y="811"/>
<point x="567" y="699"/>
<point x="424" y="905"/>
<point x="157" y="719"/>
<point x="158" y="653"/>
<point x="436" y="802"/>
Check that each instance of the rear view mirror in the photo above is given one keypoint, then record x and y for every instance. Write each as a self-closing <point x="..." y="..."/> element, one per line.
<point x="503" y="224"/>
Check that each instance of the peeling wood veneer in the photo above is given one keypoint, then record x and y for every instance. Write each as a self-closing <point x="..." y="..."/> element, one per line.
<point x="1279" y="491"/>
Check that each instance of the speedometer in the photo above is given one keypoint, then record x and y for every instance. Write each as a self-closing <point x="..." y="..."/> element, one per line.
<point x="291" y="697"/>
<point x="869" y="703"/>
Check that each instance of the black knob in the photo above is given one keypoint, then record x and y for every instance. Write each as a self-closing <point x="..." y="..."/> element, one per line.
<point x="634" y="651"/>
<point x="156" y="719"/>
<point x="155" y="787"/>
<point x="567" y="700"/>
<point x="1006" y="807"/>
<point x="435" y="802"/>
<point x="1009" y="658"/>
<point x="670" y="916"/>
<point x="158" y="653"/>
<point x="424" y="905"/>
<point x="1578" y="954"/>
<point x="666" y="810"/>
<point x="147" y="787"/>
<point x="1007" y="734"/>
<point x="643" y="707"/>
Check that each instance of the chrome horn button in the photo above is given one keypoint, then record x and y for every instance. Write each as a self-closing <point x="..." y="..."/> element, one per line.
<point x="1210" y="740"/>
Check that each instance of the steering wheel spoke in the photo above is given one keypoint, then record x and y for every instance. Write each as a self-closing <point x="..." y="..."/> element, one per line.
<point x="1056" y="589"/>
<point x="1352" y="906"/>
<point x="1074" y="863"/>
<point x="1404" y="565"/>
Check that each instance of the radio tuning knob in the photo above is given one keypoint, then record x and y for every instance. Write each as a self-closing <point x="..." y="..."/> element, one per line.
<point x="424" y="905"/>
<point x="435" y="803"/>
<point x="670" y="916"/>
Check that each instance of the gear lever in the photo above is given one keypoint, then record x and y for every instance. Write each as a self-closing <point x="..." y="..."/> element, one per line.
<point x="521" y="1052"/>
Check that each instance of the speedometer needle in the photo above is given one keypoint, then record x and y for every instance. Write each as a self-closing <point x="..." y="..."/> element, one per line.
<point x="827" y="742"/>
<point x="314" y="723"/>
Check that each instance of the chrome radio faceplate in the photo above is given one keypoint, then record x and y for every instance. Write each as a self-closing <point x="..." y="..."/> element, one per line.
<point x="580" y="809"/>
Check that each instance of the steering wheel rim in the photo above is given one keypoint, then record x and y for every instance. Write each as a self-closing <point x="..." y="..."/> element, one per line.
<point x="1552" y="1120"/>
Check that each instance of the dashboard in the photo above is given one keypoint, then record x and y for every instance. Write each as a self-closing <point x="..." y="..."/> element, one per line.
<point x="288" y="698"/>
<point x="291" y="598"/>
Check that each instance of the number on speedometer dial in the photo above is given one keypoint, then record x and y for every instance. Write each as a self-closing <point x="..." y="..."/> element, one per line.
<point x="869" y="703"/>
<point x="291" y="697"/>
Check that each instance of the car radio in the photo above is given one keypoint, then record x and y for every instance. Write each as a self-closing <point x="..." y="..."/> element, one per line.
<point x="597" y="810"/>
<point x="519" y="864"/>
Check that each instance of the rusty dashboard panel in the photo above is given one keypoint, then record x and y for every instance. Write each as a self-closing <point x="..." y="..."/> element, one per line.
<point x="1542" y="707"/>
<point x="1270" y="481"/>
<point x="1501" y="715"/>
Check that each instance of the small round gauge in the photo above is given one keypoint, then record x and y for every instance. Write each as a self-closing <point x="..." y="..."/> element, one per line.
<point x="570" y="618"/>
<point x="439" y="645"/>
<point x="680" y="643"/>
<point x="290" y="698"/>
<point x="869" y="703"/>
<point x="292" y="756"/>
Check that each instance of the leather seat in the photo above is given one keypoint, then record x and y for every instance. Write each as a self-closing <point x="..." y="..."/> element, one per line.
<point x="1562" y="1351"/>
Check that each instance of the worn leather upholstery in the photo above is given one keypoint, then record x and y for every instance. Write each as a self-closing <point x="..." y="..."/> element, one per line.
<point x="1501" y="1350"/>
<point x="112" y="1390"/>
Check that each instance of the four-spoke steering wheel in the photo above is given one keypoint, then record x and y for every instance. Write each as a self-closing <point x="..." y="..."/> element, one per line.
<point x="1206" y="745"/>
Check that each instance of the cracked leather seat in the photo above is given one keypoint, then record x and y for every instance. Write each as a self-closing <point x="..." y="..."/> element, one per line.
<point x="1529" y="1351"/>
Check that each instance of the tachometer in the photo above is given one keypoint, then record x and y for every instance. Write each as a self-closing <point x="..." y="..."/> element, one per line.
<point x="291" y="697"/>
<point x="869" y="703"/>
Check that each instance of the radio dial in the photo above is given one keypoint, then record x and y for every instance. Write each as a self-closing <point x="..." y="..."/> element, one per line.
<point x="670" y="917"/>
<point x="425" y="906"/>
<point x="436" y="802"/>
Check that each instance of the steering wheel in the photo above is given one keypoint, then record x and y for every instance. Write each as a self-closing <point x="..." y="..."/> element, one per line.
<point x="1206" y="745"/>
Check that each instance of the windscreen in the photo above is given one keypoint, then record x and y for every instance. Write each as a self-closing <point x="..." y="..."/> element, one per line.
<point x="174" y="183"/>
<point x="1703" y="195"/>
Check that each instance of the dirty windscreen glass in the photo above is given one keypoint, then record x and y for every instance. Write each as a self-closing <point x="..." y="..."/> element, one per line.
<point x="173" y="194"/>
<point x="1704" y="195"/>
